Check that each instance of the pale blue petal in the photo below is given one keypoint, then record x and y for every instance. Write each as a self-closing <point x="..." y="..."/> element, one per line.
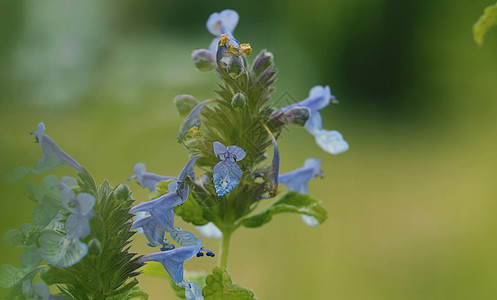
<point x="165" y="218"/>
<point x="188" y="170"/>
<point x="309" y="220"/>
<point x="69" y="181"/>
<point x="78" y="226"/>
<point x="61" y="251"/>
<point x="220" y="150"/>
<point x="209" y="230"/>
<point x="146" y="179"/>
<point x="236" y="153"/>
<point x="226" y="175"/>
<point x="85" y="203"/>
<point x="173" y="260"/>
<point x="183" y="237"/>
<point x="297" y="180"/>
<point x="219" y="23"/>
<point x="213" y="46"/>
<point x="152" y="230"/>
<point x="314" y="124"/>
<point x="193" y="291"/>
<point x="192" y="120"/>
<point x="53" y="156"/>
<point x="331" y="141"/>
<point x="164" y="202"/>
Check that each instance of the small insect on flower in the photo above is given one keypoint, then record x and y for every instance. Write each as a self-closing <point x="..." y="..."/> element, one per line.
<point x="227" y="172"/>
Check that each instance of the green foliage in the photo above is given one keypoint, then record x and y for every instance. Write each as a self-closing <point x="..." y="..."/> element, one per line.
<point x="104" y="273"/>
<point x="220" y="287"/>
<point x="487" y="20"/>
<point x="191" y="211"/>
<point x="292" y="202"/>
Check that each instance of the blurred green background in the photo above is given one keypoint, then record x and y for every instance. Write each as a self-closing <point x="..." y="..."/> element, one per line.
<point x="412" y="204"/>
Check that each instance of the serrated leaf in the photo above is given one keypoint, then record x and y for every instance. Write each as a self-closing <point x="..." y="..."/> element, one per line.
<point x="135" y="293"/>
<point x="34" y="192"/>
<point x="9" y="275"/>
<point x="52" y="185"/>
<point x="23" y="237"/>
<point x="487" y="20"/>
<point x="30" y="258"/>
<point x="16" y="175"/>
<point x="291" y="202"/>
<point x="220" y="287"/>
<point x="46" y="210"/>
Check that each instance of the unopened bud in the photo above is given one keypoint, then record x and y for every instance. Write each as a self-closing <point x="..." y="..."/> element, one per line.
<point x="122" y="192"/>
<point x="297" y="115"/>
<point x="204" y="60"/>
<point x="239" y="100"/>
<point x="94" y="247"/>
<point x="235" y="66"/>
<point x="262" y="62"/>
<point x="185" y="104"/>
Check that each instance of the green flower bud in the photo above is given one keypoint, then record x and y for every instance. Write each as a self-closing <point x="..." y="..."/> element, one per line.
<point x="204" y="60"/>
<point x="185" y="104"/>
<point x="122" y="192"/>
<point x="262" y="62"/>
<point x="235" y="66"/>
<point x="238" y="100"/>
<point x="94" y="247"/>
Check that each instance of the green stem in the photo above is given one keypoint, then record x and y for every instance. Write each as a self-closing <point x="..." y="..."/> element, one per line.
<point x="225" y="249"/>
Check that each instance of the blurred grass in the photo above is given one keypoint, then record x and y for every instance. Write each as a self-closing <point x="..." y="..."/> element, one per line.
<point x="412" y="203"/>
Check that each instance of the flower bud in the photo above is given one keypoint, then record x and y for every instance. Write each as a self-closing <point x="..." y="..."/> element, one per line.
<point x="94" y="247"/>
<point x="235" y="66"/>
<point x="262" y="62"/>
<point x="185" y="104"/>
<point x="204" y="60"/>
<point x="122" y="192"/>
<point x="238" y="100"/>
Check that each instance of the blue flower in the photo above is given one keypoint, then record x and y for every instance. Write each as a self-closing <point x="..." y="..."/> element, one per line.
<point x="297" y="180"/>
<point x="209" y="230"/>
<point x="192" y="122"/>
<point x="80" y="206"/>
<point x="161" y="209"/>
<point x="227" y="173"/>
<point x="146" y="179"/>
<point x="152" y="230"/>
<point x="173" y="260"/>
<point x="183" y="237"/>
<point x="329" y="140"/>
<point x="222" y="23"/>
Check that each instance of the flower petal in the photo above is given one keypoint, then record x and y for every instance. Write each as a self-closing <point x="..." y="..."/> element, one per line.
<point x="331" y="141"/>
<point x="236" y="153"/>
<point x="61" y="251"/>
<point x="219" y="23"/>
<point x="226" y="175"/>
<point x="209" y="230"/>
<point x="183" y="237"/>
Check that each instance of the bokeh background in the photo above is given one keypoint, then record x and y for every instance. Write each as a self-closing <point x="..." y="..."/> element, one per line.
<point x="412" y="204"/>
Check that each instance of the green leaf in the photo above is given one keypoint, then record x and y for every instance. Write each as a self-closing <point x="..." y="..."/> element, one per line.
<point x="46" y="210"/>
<point x="34" y="192"/>
<point x="220" y="287"/>
<point x="292" y="202"/>
<point x="13" y="238"/>
<point x="16" y="175"/>
<point x="52" y="185"/>
<point x="30" y="258"/>
<point x="487" y="20"/>
<point x="25" y="236"/>
<point x="191" y="212"/>
<point x="135" y="293"/>
<point x="9" y="275"/>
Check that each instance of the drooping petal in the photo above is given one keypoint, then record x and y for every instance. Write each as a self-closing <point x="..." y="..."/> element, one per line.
<point x="52" y="155"/>
<point x="152" y="230"/>
<point x="220" y="150"/>
<point x="61" y="251"/>
<point x="193" y="120"/>
<point x="226" y="177"/>
<point x="331" y="141"/>
<point x="146" y="179"/>
<point x="188" y="171"/>
<point x="173" y="260"/>
<point x="314" y="124"/>
<point x="297" y="180"/>
<point x="192" y="291"/>
<point x="209" y="230"/>
<point x="84" y="203"/>
<point x="219" y="23"/>
<point x="183" y="237"/>
<point x="161" y="209"/>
